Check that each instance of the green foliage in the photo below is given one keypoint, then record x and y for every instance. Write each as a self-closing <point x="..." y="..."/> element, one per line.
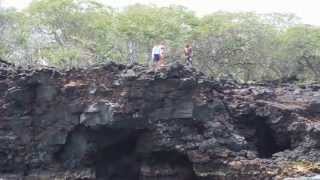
<point x="81" y="25"/>
<point x="15" y="31"/>
<point x="303" y="43"/>
<point x="244" y="46"/>
<point x="143" y="26"/>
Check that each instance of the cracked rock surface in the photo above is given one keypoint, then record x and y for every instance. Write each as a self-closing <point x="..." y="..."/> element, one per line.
<point x="117" y="122"/>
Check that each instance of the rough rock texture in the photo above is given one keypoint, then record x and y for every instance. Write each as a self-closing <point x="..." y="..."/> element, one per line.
<point x="117" y="122"/>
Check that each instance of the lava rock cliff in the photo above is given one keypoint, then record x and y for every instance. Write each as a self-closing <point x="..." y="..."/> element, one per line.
<point x="118" y="122"/>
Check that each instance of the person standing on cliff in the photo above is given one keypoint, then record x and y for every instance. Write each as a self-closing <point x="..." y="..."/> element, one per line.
<point x="155" y="56"/>
<point x="162" y="54"/>
<point x="188" y="54"/>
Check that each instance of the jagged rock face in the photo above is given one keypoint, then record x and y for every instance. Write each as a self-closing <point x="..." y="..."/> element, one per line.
<point x="117" y="122"/>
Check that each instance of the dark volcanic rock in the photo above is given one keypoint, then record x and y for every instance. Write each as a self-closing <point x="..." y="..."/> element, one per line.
<point x="117" y="122"/>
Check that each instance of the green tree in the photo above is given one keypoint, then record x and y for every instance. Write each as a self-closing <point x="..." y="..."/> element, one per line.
<point x="75" y="29"/>
<point x="243" y="46"/>
<point x="143" y="26"/>
<point x="15" y="31"/>
<point x="301" y="45"/>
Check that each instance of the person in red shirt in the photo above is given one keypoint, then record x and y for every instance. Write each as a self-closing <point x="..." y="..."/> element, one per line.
<point x="162" y="54"/>
<point x="188" y="54"/>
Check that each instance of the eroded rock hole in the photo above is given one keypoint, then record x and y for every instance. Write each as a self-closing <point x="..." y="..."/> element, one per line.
<point x="266" y="143"/>
<point x="109" y="152"/>
<point x="119" y="161"/>
<point x="167" y="165"/>
<point x="113" y="155"/>
<point x="262" y="137"/>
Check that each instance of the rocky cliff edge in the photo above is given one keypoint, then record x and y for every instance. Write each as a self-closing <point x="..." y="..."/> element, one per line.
<point x="117" y="122"/>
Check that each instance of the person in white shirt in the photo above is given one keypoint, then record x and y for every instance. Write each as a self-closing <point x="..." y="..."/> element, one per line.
<point x="156" y="51"/>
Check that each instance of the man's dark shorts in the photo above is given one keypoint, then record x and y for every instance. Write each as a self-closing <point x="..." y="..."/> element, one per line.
<point x="156" y="57"/>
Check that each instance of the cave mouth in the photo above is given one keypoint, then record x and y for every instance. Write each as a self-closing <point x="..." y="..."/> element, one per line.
<point x="115" y="154"/>
<point x="176" y="163"/>
<point x="119" y="161"/>
<point x="110" y="152"/>
<point x="266" y="143"/>
<point x="262" y="137"/>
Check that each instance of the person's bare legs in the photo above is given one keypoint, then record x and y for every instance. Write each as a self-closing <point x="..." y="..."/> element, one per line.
<point x="157" y="64"/>
<point x="162" y="61"/>
<point x="153" y="66"/>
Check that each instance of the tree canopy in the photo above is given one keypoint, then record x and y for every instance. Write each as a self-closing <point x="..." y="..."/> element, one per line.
<point x="245" y="46"/>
